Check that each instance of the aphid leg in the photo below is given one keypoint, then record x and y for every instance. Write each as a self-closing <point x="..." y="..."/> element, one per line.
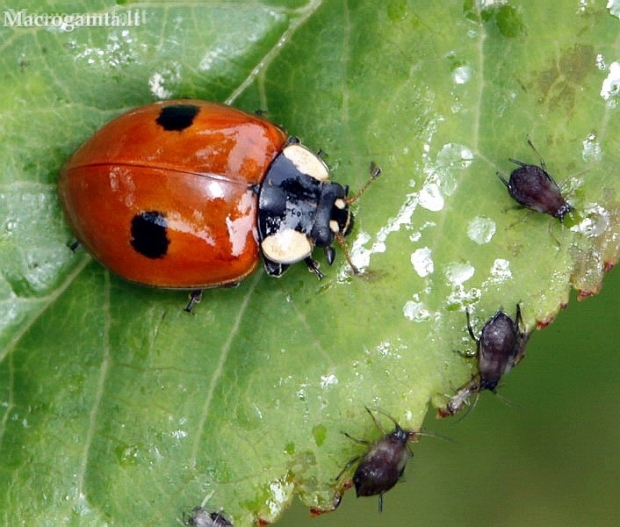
<point x="469" y="328"/>
<point x="360" y="441"/>
<point x="557" y="242"/>
<point x="503" y="179"/>
<point x="518" y="317"/>
<point x="349" y="463"/>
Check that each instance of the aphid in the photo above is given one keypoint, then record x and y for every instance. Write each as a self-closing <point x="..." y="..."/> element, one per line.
<point x="383" y="464"/>
<point x="461" y="398"/>
<point x="201" y="518"/>
<point x="500" y="347"/>
<point x="532" y="187"/>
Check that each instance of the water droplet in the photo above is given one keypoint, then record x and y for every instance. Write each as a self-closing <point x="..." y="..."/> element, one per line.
<point x="461" y="75"/>
<point x="422" y="262"/>
<point x="481" y="230"/>
<point x="458" y="273"/>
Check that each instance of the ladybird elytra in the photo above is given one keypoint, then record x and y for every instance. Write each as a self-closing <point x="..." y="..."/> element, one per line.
<point x="187" y="194"/>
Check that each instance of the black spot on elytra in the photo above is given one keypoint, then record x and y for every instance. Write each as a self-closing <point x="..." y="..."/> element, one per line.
<point x="177" y="117"/>
<point x="148" y="234"/>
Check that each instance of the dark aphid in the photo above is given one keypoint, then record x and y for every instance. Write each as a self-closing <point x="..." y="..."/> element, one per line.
<point x="201" y="518"/>
<point x="383" y="464"/>
<point x="500" y="347"/>
<point x="532" y="187"/>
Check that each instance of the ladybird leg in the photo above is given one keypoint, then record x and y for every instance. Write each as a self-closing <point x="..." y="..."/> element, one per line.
<point x="330" y="254"/>
<point x="381" y="502"/>
<point x="274" y="268"/>
<point x="73" y="246"/>
<point x="194" y="298"/>
<point x="340" y="239"/>
<point x="313" y="266"/>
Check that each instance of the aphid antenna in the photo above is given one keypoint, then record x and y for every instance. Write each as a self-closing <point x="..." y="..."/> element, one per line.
<point x="427" y="433"/>
<point x="413" y="435"/>
<point x="507" y="401"/>
<point x="542" y="161"/>
<point x="377" y="424"/>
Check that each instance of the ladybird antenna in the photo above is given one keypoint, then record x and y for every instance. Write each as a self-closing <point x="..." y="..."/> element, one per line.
<point x="375" y="172"/>
<point x="343" y="245"/>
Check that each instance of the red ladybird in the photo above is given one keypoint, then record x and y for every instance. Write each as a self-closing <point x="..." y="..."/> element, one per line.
<point x="186" y="194"/>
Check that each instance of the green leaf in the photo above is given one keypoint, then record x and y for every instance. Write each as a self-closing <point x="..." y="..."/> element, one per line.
<point x="120" y="408"/>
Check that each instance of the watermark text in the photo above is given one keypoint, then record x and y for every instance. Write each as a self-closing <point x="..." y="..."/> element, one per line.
<point x="70" y="21"/>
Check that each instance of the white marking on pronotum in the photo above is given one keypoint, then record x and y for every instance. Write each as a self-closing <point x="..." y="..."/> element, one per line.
<point x="287" y="247"/>
<point x="306" y="161"/>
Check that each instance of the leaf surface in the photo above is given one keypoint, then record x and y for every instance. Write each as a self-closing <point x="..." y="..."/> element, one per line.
<point x="122" y="409"/>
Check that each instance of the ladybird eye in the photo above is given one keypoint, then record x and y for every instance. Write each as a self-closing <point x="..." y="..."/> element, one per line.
<point x="349" y="225"/>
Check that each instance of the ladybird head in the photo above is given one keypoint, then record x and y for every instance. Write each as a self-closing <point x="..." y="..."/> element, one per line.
<point x="299" y="208"/>
<point x="342" y="219"/>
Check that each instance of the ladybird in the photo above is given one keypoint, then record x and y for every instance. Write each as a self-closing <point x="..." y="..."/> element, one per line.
<point x="500" y="346"/>
<point x="532" y="187"/>
<point x="188" y="194"/>
<point x="384" y="462"/>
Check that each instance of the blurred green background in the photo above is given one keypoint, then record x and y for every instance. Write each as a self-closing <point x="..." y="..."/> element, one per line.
<point x="544" y="452"/>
